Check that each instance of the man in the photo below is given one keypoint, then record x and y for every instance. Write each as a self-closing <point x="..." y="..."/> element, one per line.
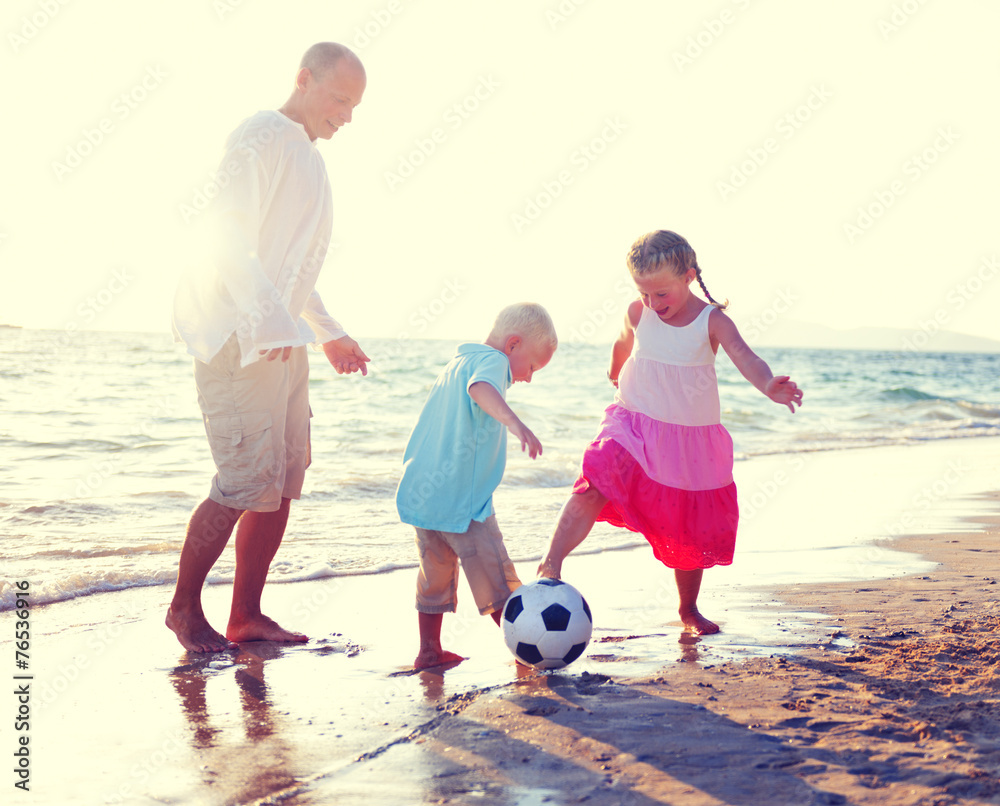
<point x="246" y="320"/>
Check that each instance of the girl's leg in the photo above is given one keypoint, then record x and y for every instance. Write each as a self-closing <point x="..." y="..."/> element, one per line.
<point x="575" y="522"/>
<point x="688" y="585"/>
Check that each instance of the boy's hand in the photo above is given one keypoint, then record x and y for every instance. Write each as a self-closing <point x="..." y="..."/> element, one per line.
<point x="549" y="569"/>
<point x="781" y="389"/>
<point x="529" y="441"/>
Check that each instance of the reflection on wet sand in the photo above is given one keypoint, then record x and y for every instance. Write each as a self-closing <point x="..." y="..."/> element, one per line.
<point x="245" y="764"/>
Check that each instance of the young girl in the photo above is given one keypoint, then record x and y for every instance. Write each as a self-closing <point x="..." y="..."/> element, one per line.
<point x="662" y="463"/>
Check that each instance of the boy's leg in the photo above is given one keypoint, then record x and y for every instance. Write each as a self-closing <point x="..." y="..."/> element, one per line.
<point x="431" y="653"/>
<point x="575" y="522"/>
<point x="437" y="587"/>
<point x="688" y="586"/>
<point x="208" y="533"/>
<point x="486" y="564"/>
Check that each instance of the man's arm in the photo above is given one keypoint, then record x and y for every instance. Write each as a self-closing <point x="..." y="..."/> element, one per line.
<point x="238" y="263"/>
<point x="319" y="320"/>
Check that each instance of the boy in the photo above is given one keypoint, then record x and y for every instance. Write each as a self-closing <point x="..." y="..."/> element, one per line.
<point x="454" y="461"/>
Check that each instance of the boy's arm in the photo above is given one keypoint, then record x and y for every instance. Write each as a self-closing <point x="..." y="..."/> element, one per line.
<point x="492" y="402"/>
<point x="622" y="348"/>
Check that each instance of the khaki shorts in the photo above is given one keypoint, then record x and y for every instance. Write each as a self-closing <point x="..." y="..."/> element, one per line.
<point x="484" y="559"/>
<point x="257" y="421"/>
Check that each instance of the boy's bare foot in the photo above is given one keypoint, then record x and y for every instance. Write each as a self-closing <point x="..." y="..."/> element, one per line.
<point x="695" y="622"/>
<point x="195" y="633"/>
<point x="428" y="658"/>
<point x="261" y="628"/>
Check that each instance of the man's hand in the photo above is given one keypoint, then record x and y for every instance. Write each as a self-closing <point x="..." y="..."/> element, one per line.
<point x="346" y="356"/>
<point x="277" y="352"/>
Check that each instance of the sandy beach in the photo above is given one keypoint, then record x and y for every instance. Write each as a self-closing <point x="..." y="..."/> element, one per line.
<point x="879" y="691"/>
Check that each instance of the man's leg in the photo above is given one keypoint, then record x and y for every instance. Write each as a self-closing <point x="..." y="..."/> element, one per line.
<point x="257" y="540"/>
<point x="208" y="533"/>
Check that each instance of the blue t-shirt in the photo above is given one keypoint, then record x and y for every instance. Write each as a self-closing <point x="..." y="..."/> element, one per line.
<point x="456" y="454"/>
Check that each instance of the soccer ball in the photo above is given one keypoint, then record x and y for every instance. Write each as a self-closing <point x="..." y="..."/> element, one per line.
<point x="546" y="624"/>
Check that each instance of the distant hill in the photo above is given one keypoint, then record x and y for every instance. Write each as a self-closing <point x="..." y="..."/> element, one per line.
<point x="790" y="333"/>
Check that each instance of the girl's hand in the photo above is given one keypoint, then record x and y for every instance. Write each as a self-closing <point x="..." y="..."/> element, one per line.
<point x="781" y="389"/>
<point x="549" y="569"/>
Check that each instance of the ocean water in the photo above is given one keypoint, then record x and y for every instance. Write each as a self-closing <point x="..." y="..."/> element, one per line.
<point x="103" y="453"/>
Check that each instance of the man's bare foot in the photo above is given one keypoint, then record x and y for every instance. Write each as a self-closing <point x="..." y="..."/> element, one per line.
<point x="695" y="622"/>
<point x="428" y="658"/>
<point x="195" y="633"/>
<point x="261" y="628"/>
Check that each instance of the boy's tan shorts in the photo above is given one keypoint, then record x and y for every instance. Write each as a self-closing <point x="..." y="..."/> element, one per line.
<point x="484" y="559"/>
<point x="257" y="421"/>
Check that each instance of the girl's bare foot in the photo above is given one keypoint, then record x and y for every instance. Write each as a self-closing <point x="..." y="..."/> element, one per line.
<point x="695" y="622"/>
<point x="688" y="585"/>
<point x="261" y="628"/>
<point x="429" y="657"/>
<point x="195" y="633"/>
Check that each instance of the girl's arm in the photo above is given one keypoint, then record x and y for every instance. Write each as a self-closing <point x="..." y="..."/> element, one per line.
<point x="492" y="402"/>
<point x="778" y="388"/>
<point x="622" y="348"/>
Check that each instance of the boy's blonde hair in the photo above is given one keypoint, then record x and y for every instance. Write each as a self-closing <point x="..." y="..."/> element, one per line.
<point x="529" y="320"/>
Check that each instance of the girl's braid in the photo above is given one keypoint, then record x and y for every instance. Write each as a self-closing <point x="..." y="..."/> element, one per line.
<point x="720" y="305"/>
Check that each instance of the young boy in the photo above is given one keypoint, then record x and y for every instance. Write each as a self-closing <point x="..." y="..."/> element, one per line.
<point x="454" y="461"/>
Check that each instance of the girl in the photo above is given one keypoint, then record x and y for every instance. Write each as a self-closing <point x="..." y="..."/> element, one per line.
<point x="662" y="463"/>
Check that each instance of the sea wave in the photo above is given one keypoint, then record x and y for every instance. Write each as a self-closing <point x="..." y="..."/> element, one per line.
<point x="171" y="547"/>
<point x="825" y="441"/>
<point x="906" y="393"/>
<point x="83" y="584"/>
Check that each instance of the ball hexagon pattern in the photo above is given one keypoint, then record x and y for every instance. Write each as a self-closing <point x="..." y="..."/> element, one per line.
<point x="546" y="623"/>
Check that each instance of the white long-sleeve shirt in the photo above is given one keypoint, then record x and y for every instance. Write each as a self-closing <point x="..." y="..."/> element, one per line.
<point x="270" y="225"/>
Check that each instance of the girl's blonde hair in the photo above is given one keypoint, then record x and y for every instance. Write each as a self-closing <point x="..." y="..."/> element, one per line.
<point x="664" y="249"/>
<point x="529" y="320"/>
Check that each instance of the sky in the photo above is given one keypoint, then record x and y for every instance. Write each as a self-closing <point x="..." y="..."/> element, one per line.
<point x="832" y="164"/>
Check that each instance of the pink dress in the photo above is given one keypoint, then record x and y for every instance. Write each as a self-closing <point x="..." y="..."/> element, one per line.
<point x="662" y="457"/>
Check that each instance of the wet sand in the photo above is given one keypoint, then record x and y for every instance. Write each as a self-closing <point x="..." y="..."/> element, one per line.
<point x="901" y="705"/>
<point x="880" y="691"/>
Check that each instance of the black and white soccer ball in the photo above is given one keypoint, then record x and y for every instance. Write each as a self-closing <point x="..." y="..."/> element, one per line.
<point x="547" y="623"/>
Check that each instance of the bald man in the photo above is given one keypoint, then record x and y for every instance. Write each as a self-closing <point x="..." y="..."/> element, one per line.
<point x="247" y="318"/>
